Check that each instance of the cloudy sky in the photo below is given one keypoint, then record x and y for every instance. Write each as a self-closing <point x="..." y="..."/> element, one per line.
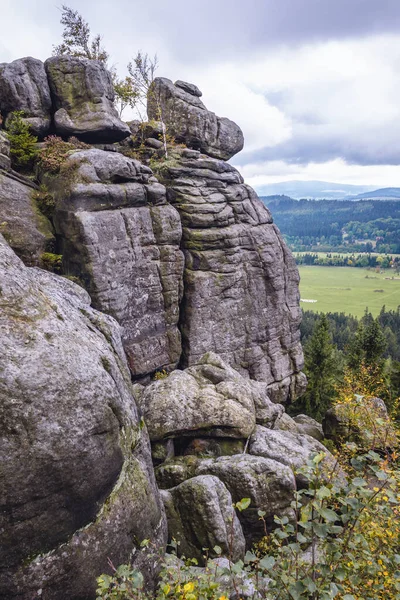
<point x="314" y="84"/>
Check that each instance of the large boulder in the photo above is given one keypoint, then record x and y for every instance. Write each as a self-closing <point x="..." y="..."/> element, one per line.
<point x="201" y="515"/>
<point x="121" y="238"/>
<point x="309" y="426"/>
<point x="241" y="296"/>
<point x="291" y="449"/>
<point x="76" y="482"/>
<point x="209" y="399"/>
<point x="83" y="96"/>
<point x="25" y="228"/>
<point x="24" y="87"/>
<point x="269" y="484"/>
<point x="188" y="120"/>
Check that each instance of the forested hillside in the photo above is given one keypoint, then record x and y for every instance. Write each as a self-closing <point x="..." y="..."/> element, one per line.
<point x="340" y="225"/>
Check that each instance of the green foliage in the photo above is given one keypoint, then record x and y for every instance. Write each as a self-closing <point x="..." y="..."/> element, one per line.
<point x="126" y="93"/>
<point x="23" y="149"/>
<point x="51" y="262"/>
<point x="338" y="225"/>
<point x="321" y="368"/>
<point x="77" y="38"/>
<point x="341" y="541"/>
<point x="349" y="529"/>
<point x="45" y="201"/>
<point x="159" y="375"/>
<point x="368" y="345"/>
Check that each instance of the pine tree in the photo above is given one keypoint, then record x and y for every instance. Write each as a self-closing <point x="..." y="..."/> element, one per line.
<point x="368" y="345"/>
<point x="321" y="358"/>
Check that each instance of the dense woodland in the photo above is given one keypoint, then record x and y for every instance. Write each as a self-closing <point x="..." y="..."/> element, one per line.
<point x="335" y="343"/>
<point x="338" y="225"/>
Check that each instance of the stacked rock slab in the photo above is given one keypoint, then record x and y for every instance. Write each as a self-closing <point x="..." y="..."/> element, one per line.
<point x="241" y="297"/>
<point x="121" y="238"/>
<point x="24" y="87"/>
<point x="83" y="95"/>
<point x="77" y="484"/>
<point x="189" y="121"/>
<point x="219" y="429"/>
<point x="25" y="228"/>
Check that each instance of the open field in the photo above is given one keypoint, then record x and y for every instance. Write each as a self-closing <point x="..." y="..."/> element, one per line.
<point x="347" y="289"/>
<point x="325" y="254"/>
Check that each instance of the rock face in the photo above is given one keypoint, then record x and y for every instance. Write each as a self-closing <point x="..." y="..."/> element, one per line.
<point x="188" y="121"/>
<point x="76" y="480"/>
<point x="204" y="399"/>
<point x="24" y="86"/>
<point x="187" y="414"/>
<point x="309" y="426"/>
<point x="83" y="95"/>
<point x="27" y="231"/>
<point x="200" y="515"/>
<point x="122" y="239"/>
<point x="241" y="296"/>
<point x="5" y="162"/>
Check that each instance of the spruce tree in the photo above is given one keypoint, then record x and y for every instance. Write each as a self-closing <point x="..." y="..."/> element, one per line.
<point x="321" y="369"/>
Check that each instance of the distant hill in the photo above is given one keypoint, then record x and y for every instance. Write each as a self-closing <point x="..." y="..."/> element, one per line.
<point x="315" y="190"/>
<point x="381" y="194"/>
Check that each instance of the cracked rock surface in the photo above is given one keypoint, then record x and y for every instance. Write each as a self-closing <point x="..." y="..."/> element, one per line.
<point x="77" y="483"/>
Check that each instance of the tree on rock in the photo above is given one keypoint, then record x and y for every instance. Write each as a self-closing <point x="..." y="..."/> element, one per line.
<point x="77" y="41"/>
<point x="77" y="38"/>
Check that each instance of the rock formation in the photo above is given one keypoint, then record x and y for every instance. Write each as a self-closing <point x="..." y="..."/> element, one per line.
<point x="191" y="284"/>
<point x="121" y="238"/>
<point x="83" y="96"/>
<point x="77" y="485"/>
<point x="24" y="87"/>
<point x="25" y="228"/>
<point x="188" y="121"/>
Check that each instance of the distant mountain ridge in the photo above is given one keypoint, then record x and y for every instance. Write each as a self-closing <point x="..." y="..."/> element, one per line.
<point x="318" y="190"/>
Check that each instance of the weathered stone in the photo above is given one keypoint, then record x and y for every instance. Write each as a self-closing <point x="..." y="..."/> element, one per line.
<point x="24" y="87"/>
<point x="268" y="483"/>
<point x="188" y="121"/>
<point x="309" y="426"/>
<point x="5" y="162"/>
<point x="121" y="238"/>
<point x="77" y="484"/>
<point x="341" y="423"/>
<point x="241" y="297"/>
<point x="162" y="451"/>
<point x="208" y="399"/>
<point x="24" y="227"/>
<point x="182" y="406"/>
<point x="291" y="449"/>
<point x="200" y="515"/>
<point x="83" y="95"/>
<point x="286" y="423"/>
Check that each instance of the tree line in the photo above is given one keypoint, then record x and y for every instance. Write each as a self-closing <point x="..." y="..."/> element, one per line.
<point x="338" y="225"/>
<point x="339" y="346"/>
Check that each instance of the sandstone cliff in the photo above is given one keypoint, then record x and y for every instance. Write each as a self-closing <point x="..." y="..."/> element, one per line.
<point x="185" y="273"/>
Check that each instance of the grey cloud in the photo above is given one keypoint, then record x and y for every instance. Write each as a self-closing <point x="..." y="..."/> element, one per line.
<point x="216" y="28"/>
<point x="319" y="145"/>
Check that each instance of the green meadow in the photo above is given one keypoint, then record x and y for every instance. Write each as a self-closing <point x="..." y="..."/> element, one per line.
<point x="348" y="289"/>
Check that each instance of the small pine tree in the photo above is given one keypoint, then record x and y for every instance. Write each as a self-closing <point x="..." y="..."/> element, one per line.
<point x="23" y="149"/>
<point x="368" y="346"/>
<point x="321" y="369"/>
